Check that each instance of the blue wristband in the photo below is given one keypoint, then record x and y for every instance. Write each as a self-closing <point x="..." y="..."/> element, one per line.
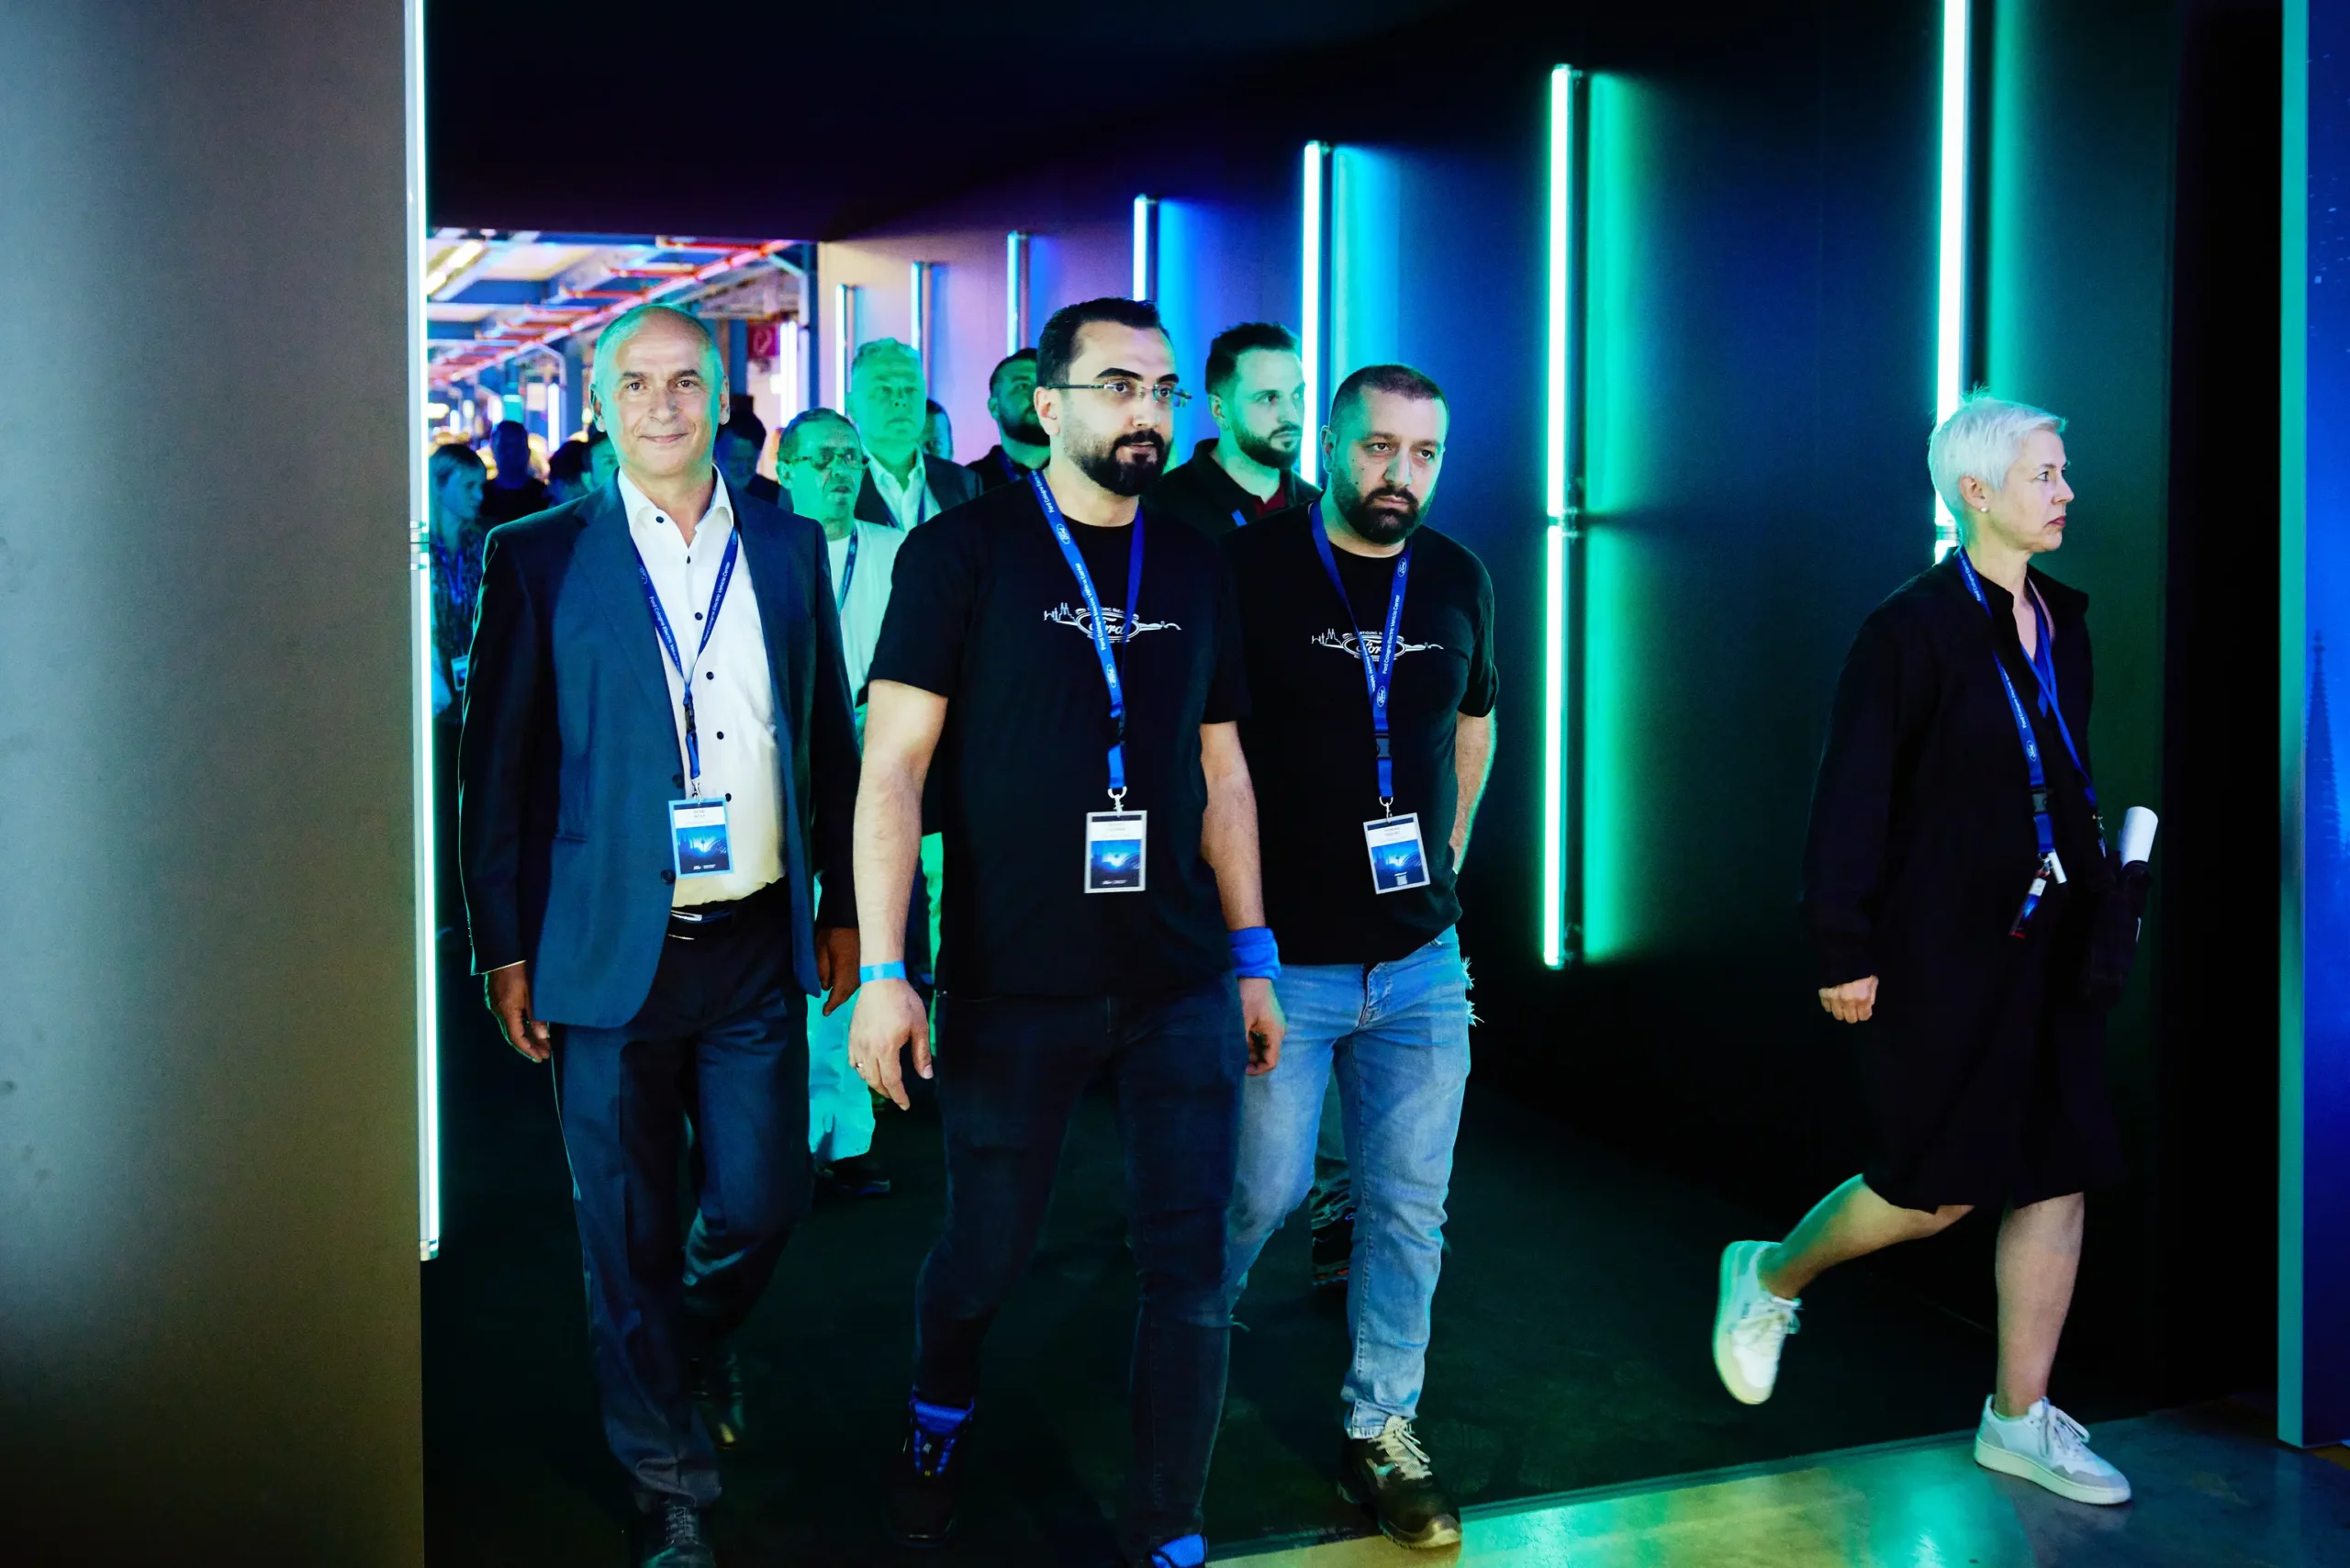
<point x="894" y="970"/>
<point x="1255" y="954"/>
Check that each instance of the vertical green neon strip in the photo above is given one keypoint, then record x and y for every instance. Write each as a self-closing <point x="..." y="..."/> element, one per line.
<point x="1311" y="215"/>
<point x="843" y="341"/>
<point x="1949" y="312"/>
<point x="428" y="987"/>
<point x="2292" y="685"/>
<point x="1555" y="503"/>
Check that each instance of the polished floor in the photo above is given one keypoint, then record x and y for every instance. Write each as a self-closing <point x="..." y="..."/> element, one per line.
<point x="2213" y="1491"/>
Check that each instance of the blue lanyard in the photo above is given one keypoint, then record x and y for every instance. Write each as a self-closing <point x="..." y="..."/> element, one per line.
<point x="1011" y="471"/>
<point x="670" y="641"/>
<point x="1101" y="650"/>
<point x="1237" y="519"/>
<point x="2044" y="669"/>
<point x="848" y="572"/>
<point x="1376" y="678"/>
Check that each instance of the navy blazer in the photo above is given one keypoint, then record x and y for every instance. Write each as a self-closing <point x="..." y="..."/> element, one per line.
<point x="569" y="753"/>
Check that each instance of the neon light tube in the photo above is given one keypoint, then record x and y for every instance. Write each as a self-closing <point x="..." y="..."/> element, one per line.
<point x="1557" y="459"/>
<point x="1309" y="323"/>
<point x="918" y="314"/>
<point x="420" y="769"/>
<point x="1143" y="204"/>
<point x="1015" y="287"/>
<point x="1950" y="314"/>
<point x="843" y="341"/>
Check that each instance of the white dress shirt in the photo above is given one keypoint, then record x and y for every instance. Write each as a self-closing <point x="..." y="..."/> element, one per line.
<point x="865" y="602"/>
<point x="733" y="689"/>
<point x="910" y="502"/>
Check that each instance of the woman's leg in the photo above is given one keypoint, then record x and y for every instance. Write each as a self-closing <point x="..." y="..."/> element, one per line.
<point x="1852" y="1222"/>
<point x="2040" y="1253"/>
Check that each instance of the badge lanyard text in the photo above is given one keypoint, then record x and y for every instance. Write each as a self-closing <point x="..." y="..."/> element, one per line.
<point x="1101" y="646"/>
<point x="2043" y="671"/>
<point x="669" y="644"/>
<point x="1378" y="675"/>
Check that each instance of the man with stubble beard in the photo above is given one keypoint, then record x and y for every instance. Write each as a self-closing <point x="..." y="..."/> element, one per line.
<point x="1370" y="647"/>
<point x="1064" y="670"/>
<point x="1255" y="382"/>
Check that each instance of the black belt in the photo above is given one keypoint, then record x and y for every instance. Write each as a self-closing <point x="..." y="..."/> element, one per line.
<point x="704" y="919"/>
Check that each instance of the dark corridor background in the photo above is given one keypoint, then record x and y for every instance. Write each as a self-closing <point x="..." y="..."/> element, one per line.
<point x="1759" y="373"/>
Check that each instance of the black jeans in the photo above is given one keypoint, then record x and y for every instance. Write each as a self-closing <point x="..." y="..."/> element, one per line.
<point x="1009" y="1071"/>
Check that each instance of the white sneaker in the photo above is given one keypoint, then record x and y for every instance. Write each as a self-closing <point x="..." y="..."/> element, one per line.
<point x="2046" y="1446"/>
<point x="1750" y="1325"/>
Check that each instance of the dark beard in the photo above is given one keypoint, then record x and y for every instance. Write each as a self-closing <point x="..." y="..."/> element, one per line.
<point x="1127" y="466"/>
<point x="1024" y="429"/>
<point x="1256" y="449"/>
<point x="1378" y="527"/>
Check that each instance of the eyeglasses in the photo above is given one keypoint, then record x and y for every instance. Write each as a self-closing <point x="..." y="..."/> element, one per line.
<point x="841" y="457"/>
<point x="1123" y="391"/>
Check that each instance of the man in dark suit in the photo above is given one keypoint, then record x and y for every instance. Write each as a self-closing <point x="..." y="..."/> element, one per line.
<point x="1012" y="402"/>
<point x="887" y="401"/>
<point x="658" y="754"/>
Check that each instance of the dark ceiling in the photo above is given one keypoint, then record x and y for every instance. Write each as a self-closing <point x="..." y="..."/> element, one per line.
<point x="809" y="122"/>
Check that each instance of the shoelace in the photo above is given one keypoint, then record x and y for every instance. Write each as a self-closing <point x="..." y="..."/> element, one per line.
<point x="1767" y="1320"/>
<point x="1398" y="1445"/>
<point x="2068" y="1441"/>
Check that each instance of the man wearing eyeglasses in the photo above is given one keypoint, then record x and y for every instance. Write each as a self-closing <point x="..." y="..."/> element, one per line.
<point x="888" y="398"/>
<point x="1256" y="381"/>
<point x="1064" y="670"/>
<point x="823" y="464"/>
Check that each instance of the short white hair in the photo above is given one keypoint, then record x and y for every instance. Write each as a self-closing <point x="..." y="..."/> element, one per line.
<point x="1981" y="440"/>
<point x="627" y="324"/>
<point x="883" y="348"/>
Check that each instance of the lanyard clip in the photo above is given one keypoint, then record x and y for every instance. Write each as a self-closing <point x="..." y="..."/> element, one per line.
<point x="1118" y="799"/>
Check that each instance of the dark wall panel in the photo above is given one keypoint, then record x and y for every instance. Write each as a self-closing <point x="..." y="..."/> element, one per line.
<point x="207" y="1188"/>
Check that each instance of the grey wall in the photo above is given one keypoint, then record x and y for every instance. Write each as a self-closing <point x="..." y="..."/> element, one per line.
<point x="208" y="1220"/>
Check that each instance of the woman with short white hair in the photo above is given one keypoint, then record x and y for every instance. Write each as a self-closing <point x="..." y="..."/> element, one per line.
<point x="1954" y="865"/>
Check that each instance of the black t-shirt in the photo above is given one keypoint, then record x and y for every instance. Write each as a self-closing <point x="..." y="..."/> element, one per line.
<point x="984" y="611"/>
<point x="1311" y="753"/>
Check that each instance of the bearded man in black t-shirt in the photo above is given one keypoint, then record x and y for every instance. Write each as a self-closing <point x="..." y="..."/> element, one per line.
<point x="1370" y="643"/>
<point x="1063" y="672"/>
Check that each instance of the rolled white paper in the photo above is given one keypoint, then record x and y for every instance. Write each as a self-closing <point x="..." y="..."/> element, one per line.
<point x="2137" y="834"/>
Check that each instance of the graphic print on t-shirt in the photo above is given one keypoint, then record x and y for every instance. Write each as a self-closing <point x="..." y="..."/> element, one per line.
<point x="1371" y="646"/>
<point x="1114" y="622"/>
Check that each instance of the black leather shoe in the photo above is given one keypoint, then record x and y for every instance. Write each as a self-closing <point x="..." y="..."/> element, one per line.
<point x="717" y="1382"/>
<point x="1391" y="1476"/>
<point x="926" y="1483"/>
<point x="858" y="1176"/>
<point x="670" y="1537"/>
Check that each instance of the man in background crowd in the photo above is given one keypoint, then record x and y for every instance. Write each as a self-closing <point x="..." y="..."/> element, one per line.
<point x="513" y="491"/>
<point x="903" y="485"/>
<point x="1012" y="402"/>
<point x="567" y="475"/>
<point x="938" y="431"/>
<point x="453" y="486"/>
<point x="1256" y="384"/>
<point x="823" y="465"/>
<point x="604" y="458"/>
<point x="741" y="445"/>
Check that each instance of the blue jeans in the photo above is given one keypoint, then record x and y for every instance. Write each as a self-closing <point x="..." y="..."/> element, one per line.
<point x="1397" y="1037"/>
<point x="1010" y="1070"/>
<point x="723" y="1037"/>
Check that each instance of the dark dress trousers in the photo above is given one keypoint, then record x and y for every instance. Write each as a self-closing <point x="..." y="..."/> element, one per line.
<point x="1982" y="1064"/>
<point x="568" y="759"/>
<point x="951" y="485"/>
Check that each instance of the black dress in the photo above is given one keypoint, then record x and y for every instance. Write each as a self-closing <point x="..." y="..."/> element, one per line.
<point x="1984" y="1066"/>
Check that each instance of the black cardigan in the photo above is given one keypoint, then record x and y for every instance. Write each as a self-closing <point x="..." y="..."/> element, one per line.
<point x="1921" y="842"/>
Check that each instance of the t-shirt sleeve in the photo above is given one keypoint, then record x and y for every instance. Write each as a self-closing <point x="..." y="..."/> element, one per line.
<point x="1485" y="689"/>
<point x="933" y="584"/>
<point x="1228" y="687"/>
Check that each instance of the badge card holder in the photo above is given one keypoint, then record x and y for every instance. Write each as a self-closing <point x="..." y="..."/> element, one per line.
<point x="1399" y="862"/>
<point x="1114" y="842"/>
<point x="697" y="840"/>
